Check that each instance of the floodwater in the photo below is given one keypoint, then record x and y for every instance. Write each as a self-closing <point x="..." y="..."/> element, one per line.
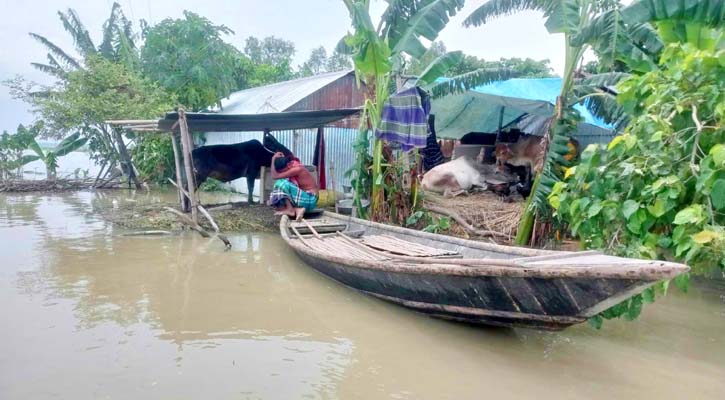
<point x="89" y="314"/>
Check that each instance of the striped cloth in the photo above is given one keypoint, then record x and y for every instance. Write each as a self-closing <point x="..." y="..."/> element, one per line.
<point x="405" y="119"/>
<point x="285" y="189"/>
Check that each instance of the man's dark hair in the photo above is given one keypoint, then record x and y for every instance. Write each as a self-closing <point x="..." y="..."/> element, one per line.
<point x="280" y="163"/>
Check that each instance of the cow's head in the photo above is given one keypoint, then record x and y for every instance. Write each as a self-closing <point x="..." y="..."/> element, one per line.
<point x="271" y="144"/>
<point x="503" y="153"/>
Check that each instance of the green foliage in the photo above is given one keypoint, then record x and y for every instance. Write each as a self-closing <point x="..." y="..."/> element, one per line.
<point x="428" y="222"/>
<point x="189" y="58"/>
<point x="631" y="308"/>
<point x="153" y="156"/>
<point x="379" y="55"/>
<point x="12" y="148"/>
<point x="118" y="43"/>
<point x="658" y="190"/>
<point x="438" y="67"/>
<point x="270" y="50"/>
<point x="213" y="185"/>
<point x="360" y="173"/>
<point x="103" y="91"/>
<point x="319" y="62"/>
<point x="467" y="71"/>
<point x="424" y="19"/>
<point x="527" y="68"/>
<point x="316" y="64"/>
<point x="50" y="157"/>
<point x="623" y="39"/>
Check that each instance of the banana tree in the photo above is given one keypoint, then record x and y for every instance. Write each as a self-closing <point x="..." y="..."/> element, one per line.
<point x="380" y="54"/>
<point x="50" y="157"/>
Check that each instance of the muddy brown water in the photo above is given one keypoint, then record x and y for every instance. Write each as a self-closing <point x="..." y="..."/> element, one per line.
<point x="86" y="313"/>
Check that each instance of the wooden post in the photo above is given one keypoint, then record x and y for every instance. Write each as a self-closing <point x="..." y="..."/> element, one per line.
<point x="179" y="182"/>
<point x="186" y="146"/>
<point x="332" y="183"/>
<point x="262" y="184"/>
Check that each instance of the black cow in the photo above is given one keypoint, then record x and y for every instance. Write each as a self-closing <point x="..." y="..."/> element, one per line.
<point x="226" y="162"/>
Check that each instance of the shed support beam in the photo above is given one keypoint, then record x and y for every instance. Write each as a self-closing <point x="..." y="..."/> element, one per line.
<point x="179" y="182"/>
<point x="186" y="147"/>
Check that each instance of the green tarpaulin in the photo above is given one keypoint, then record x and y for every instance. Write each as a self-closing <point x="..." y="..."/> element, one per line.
<point x="524" y="103"/>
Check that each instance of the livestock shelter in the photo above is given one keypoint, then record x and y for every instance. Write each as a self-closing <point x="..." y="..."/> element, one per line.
<point x="525" y="104"/>
<point x="329" y="91"/>
<point x="181" y="125"/>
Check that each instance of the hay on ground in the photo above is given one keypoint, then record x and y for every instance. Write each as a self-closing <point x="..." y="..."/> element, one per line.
<point x="484" y="210"/>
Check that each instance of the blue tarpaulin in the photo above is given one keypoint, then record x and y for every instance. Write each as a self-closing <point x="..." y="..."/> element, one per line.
<point x="480" y="109"/>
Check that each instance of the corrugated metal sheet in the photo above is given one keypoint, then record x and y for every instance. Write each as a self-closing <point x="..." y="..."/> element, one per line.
<point x="340" y="94"/>
<point x="277" y="97"/>
<point x="589" y="134"/>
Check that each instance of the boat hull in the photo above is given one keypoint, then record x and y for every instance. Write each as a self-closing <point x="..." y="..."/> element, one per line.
<point x="491" y="300"/>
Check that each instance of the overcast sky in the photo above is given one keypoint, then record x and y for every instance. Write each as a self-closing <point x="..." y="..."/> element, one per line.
<point x="308" y="23"/>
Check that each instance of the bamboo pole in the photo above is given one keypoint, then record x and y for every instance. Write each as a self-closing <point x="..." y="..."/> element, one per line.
<point x="332" y="183"/>
<point x="186" y="145"/>
<point x="179" y="182"/>
<point x="132" y="121"/>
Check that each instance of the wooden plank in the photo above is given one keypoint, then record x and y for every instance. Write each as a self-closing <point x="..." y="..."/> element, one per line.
<point x="186" y="146"/>
<point x="399" y="246"/>
<point x="321" y="228"/>
<point x="262" y="181"/>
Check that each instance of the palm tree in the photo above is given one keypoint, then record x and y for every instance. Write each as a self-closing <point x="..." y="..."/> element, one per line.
<point x="616" y="35"/>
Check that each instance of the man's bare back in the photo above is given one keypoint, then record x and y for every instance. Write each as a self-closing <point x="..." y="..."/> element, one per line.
<point x="306" y="181"/>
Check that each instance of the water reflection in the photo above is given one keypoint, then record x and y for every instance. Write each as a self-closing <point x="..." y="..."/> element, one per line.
<point x="95" y="314"/>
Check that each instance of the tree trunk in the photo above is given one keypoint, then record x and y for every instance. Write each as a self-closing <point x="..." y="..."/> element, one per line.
<point x="125" y="158"/>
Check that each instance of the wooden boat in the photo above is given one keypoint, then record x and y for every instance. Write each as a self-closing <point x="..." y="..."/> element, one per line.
<point x="469" y="281"/>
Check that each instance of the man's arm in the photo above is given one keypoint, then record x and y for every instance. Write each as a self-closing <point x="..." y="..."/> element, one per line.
<point x="273" y="169"/>
<point x="294" y="171"/>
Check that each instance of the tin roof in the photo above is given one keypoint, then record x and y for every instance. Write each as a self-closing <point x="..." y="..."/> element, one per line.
<point x="216" y="122"/>
<point x="276" y="97"/>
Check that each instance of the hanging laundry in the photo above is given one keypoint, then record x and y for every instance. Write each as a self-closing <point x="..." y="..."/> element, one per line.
<point x="432" y="154"/>
<point x="405" y="119"/>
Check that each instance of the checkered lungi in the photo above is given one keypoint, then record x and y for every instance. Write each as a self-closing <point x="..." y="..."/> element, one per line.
<point x="285" y="189"/>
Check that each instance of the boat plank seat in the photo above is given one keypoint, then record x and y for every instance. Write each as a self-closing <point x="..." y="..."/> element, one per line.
<point x="402" y="247"/>
<point x="321" y="226"/>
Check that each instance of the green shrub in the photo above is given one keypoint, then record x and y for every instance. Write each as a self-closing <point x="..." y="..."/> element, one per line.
<point x="658" y="190"/>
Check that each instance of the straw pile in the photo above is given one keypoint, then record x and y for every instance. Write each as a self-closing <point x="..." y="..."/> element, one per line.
<point x="485" y="211"/>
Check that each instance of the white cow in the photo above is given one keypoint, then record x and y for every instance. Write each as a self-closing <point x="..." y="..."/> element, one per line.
<point x="452" y="178"/>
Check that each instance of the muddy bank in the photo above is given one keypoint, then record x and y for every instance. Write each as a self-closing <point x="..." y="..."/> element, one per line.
<point x="137" y="214"/>
<point x="480" y="211"/>
<point x="55" y="185"/>
<point x="52" y="186"/>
